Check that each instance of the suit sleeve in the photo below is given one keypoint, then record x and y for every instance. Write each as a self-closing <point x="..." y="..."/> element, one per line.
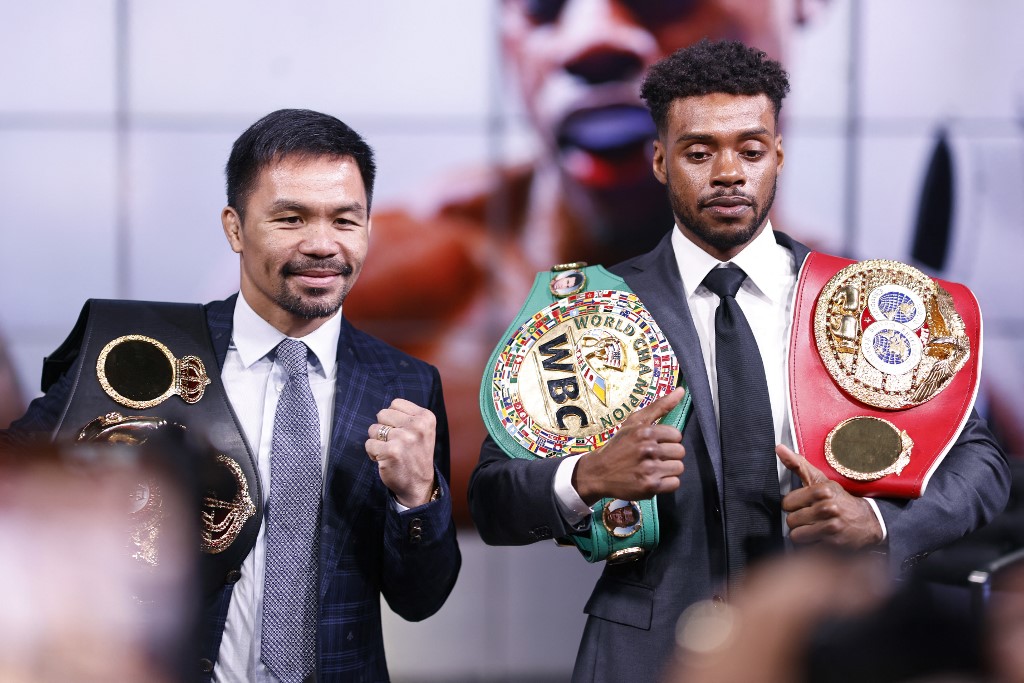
<point x="512" y="500"/>
<point x="969" y="488"/>
<point x="421" y="553"/>
<point x="42" y="417"/>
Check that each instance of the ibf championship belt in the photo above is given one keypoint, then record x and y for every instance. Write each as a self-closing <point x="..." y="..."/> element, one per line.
<point x="884" y="370"/>
<point x="582" y="354"/>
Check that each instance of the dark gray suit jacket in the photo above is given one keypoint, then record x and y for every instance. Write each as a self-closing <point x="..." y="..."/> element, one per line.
<point x="634" y="607"/>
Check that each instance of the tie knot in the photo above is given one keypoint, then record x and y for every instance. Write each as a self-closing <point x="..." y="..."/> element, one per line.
<point x="725" y="281"/>
<point x="292" y="355"/>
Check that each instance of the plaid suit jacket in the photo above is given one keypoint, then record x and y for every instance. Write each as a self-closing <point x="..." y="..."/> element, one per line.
<point x="367" y="548"/>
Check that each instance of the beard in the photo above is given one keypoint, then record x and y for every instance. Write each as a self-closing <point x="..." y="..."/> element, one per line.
<point x="312" y="302"/>
<point x="722" y="238"/>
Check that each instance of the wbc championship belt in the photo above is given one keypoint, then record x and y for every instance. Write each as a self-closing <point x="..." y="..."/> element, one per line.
<point x="884" y="370"/>
<point x="582" y="354"/>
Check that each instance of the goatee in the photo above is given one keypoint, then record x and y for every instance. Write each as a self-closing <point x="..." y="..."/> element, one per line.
<point x="727" y="239"/>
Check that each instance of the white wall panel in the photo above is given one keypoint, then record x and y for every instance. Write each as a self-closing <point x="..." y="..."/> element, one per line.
<point x="58" y="57"/>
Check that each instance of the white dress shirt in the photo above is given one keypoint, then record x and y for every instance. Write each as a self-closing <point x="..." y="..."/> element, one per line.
<point x="766" y="298"/>
<point x="253" y="381"/>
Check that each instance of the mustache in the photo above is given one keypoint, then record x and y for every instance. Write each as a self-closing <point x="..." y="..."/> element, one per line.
<point x="304" y="264"/>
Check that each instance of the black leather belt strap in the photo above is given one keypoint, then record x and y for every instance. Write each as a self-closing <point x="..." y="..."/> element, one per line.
<point x="183" y="329"/>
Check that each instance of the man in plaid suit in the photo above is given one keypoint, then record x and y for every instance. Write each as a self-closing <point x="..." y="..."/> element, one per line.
<point x="300" y="185"/>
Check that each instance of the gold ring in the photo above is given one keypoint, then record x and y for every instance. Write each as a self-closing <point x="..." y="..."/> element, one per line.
<point x="382" y="433"/>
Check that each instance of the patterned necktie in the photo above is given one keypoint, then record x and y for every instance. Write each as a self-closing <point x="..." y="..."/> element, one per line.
<point x="753" y="510"/>
<point x="290" y="595"/>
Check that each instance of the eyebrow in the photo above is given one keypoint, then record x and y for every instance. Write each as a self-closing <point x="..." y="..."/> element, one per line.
<point x="707" y="137"/>
<point x="292" y="205"/>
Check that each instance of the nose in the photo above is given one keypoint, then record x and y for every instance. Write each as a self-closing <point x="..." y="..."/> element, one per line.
<point x="603" y="43"/>
<point x="318" y="239"/>
<point x="727" y="170"/>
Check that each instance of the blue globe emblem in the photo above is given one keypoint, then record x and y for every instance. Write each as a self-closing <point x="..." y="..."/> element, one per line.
<point x="897" y="307"/>
<point x="892" y="347"/>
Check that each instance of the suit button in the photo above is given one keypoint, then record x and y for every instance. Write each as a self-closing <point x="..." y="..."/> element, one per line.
<point x="233" y="576"/>
<point x="205" y="665"/>
<point x="416" y="530"/>
<point x="717" y="599"/>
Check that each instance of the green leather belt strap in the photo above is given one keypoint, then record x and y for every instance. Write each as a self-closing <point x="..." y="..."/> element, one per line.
<point x="581" y="355"/>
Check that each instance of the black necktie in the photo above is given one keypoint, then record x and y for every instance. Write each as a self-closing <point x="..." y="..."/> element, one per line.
<point x="753" y="510"/>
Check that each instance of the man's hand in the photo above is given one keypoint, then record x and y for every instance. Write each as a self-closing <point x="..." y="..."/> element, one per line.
<point x="823" y="512"/>
<point x="642" y="460"/>
<point x="406" y="457"/>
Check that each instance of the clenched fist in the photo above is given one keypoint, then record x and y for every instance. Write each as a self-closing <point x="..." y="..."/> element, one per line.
<point x="401" y="442"/>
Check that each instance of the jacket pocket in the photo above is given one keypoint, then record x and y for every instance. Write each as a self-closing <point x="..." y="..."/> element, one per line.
<point x="622" y="602"/>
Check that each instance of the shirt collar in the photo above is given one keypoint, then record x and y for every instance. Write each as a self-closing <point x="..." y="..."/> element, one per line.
<point x="253" y="338"/>
<point x="763" y="260"/>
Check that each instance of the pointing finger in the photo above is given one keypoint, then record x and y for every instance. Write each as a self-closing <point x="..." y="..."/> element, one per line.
<point x="660" y="407"/>
<point x="794" y="462"/>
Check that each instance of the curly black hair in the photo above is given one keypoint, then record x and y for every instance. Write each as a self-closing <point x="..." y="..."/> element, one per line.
<point x="707" y="67"/>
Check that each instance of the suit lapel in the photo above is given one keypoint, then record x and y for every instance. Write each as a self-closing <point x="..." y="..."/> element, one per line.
<point x="800" y="252"/>
<point x="654" y="278"/>
<point x="361" y="390"/>
<point x="220" y="317"/>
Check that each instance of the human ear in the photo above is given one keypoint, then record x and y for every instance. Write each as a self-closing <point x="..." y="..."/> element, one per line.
<point x="232" y="224"/>
<point x="658" y="162"/>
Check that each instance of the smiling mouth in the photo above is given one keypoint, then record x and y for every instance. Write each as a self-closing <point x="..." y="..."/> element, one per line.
<point x="317" y="278"/>
<point x="325" y="268"/>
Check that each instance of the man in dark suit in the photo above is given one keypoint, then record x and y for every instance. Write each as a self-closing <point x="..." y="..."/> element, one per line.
<point x="719" y="154"/>
<point x="370" y="514"/>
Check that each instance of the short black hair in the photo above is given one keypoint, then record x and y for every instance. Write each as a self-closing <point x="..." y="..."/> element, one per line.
<point x="704" y="68"/>
<point x="288" y="132"/>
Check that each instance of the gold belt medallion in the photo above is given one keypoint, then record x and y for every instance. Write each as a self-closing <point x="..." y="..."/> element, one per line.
<point x="867" y="448"/>
<point x="569" y="376"/>
<point x="140" y="372"/>
<point x="223" y="519"/>
<point x="146" y="513"/>
<point x="226" y="507"/>
<point x="888" y="334"/>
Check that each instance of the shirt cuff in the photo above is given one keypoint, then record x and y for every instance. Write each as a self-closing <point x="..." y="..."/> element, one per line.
<point x="573" y="509"/>
<point x="878" y="516"/>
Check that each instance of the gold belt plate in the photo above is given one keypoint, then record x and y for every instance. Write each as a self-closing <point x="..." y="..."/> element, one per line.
<point x="569" y="376"/>
<point x="141" y="372"/>
<point x="889" y="335"/>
